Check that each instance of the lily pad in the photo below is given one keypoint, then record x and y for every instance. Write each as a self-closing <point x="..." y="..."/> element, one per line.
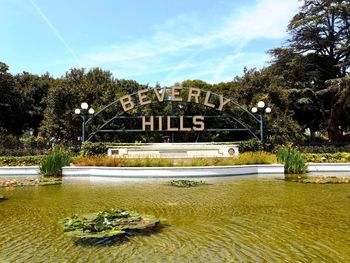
<point x="326" y="180"/>
<point x="30" y="181"/>
<point x="108" y="223"/>
<point x="186" y="183"/>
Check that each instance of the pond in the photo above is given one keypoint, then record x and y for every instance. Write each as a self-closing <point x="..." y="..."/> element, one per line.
<point x="229" y="220"/>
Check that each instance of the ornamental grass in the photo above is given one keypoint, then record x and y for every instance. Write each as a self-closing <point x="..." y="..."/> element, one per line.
<point x="242" y="159"/>
<point x="294" y="162"/>
<point x="53" y="162"/>
<point x="121" y="162"/>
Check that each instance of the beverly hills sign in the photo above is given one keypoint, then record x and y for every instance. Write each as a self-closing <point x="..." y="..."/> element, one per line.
<point x="177" y="94"/>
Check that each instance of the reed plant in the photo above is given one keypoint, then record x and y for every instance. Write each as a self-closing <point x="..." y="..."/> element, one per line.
<point x="294" y="162"/>
<point x="52" y="163"/>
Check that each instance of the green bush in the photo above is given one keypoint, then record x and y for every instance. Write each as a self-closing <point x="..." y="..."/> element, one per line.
<point x="8" y="140"/>
<point x="22" y="151"/>
<point x="93" y="149"/>
<point x="292" y="159"/>
<point x="244" y="158"/>
<point x="324" y="149"/>
<point x="52" y="163"/>
<point x="340" y="157"/>
<point x="21" y="160"/>
<point x="259" y="157"/>
<point x="251" y="145"/>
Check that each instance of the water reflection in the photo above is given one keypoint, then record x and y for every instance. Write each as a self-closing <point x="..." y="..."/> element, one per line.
<point x="231" y="220"/>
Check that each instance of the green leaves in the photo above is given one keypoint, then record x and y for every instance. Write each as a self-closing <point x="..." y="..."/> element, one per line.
<point x="107" y="223"/>
<point x="52" y="163"/>
<point x="185" y="183"/>
<point x="294" y="162"/>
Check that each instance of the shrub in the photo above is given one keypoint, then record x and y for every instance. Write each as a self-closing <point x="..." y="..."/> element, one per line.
<point x="244" y="158"/>
<point x="93" y="149"/>
<point x="21" y="160"/>
<point x="292" y="159"/>
<point x="121" y="162"/>
<point x="251" y="145"/>
<point x="22" y="151"/>
<point x="8" y="140"/>
<point x="52" y="163"/>
<point x="324" y="148"/>
<point x="255" y="158"/>
<point x="340" y="157"/>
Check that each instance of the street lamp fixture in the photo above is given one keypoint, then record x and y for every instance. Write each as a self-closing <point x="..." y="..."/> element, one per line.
<point x="261" y="104"/>
<point x="262" y="109"/>
<point x="84" y="106"/>
<point x="84" y="112"/>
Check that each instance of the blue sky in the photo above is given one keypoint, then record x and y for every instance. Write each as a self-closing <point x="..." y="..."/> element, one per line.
<point x="150" y="41"/>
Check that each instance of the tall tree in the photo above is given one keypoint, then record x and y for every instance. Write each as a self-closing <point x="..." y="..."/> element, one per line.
<point x="10" y="103"/>
<point x="33" y="91"/>
<point x="96" y="87"/>
<point x="322" y="28"/>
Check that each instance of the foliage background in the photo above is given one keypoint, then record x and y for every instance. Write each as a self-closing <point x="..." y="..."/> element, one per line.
<point x="307" y="85"/>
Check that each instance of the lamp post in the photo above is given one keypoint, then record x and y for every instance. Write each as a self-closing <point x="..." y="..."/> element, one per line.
<point x="84" y="112"/>
<point x="262" y="109"/>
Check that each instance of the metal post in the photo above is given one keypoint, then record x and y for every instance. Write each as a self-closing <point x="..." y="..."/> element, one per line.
<point x="172" y="121"/>
<point x="83" y="128"/>
<point x="261" y="127"/>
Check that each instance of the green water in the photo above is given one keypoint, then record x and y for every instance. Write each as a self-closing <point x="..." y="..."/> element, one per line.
<point x="232" y="220"/>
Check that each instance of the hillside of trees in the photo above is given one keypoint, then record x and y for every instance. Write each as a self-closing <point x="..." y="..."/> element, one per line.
<point x="307" y="84"/>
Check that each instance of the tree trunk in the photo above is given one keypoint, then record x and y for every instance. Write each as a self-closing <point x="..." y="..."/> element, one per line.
<point x="334" y="130"/>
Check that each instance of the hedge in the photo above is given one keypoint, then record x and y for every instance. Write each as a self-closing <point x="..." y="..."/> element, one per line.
<point x="21" y="160"/>
<point x="340" y="157"/>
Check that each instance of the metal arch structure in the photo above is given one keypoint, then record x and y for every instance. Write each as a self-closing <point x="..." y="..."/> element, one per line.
<point x="120" y="116"/>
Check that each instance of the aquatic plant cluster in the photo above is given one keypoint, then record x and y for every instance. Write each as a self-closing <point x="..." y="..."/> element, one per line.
<point x="320" y="180"/>
<point x="107" y="223"/>
<point x="29" y="181"/>
<point x="185" y="183"/>
<point x="52" y="163"/>
<point x="294" y="162"/>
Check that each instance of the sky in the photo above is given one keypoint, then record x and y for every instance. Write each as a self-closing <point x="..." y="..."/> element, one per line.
<point x="150" y="41"/>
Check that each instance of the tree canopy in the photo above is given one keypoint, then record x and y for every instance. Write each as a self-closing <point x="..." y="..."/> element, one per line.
<point x="307" y="84"/>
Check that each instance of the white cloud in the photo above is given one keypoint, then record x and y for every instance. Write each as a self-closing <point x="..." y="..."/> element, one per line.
<point x="180" y="47"/>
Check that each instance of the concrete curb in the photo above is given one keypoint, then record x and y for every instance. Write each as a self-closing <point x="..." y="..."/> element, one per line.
<point x="263" y="170"/>
<point x="19" y="170"/>
<point x="328" y="167"/>
<point x="173" y="172"/>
